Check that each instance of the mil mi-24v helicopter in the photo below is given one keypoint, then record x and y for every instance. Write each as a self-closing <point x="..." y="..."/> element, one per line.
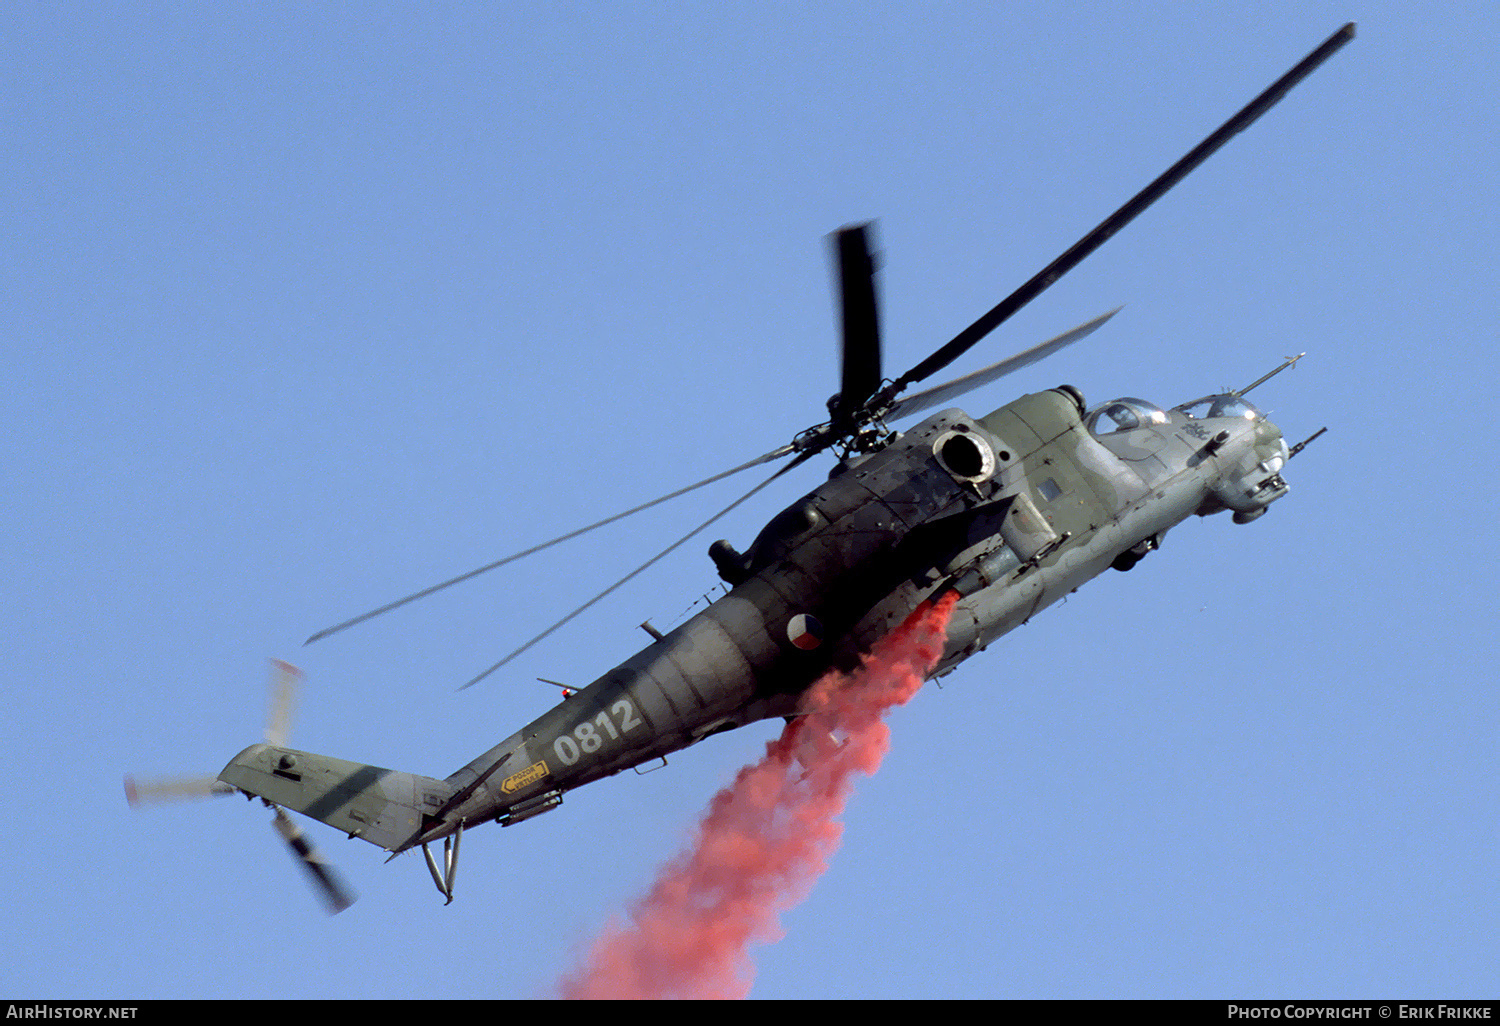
<point x="1010" y="511"/>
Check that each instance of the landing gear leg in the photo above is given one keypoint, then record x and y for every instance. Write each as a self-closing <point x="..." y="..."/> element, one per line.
<point x="444" y="877"/>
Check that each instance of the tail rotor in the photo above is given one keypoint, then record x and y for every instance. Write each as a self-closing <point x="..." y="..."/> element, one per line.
<point x="285" y="680"/>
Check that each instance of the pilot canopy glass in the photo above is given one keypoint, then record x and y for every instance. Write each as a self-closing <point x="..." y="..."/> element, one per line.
<point x="1125" y="415"/>
<point x="1219" y="406"/>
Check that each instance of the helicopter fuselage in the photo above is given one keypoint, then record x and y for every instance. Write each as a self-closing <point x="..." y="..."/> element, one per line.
<point x="1012" y="511"/>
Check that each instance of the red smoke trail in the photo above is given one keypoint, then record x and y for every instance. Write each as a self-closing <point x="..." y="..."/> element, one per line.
<point x="766" y="838"/>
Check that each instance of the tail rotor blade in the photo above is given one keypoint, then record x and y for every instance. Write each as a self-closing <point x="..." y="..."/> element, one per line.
<point x="173" y="789"/>
<point x="335" y="894"/>
<point x="285" y="680"/>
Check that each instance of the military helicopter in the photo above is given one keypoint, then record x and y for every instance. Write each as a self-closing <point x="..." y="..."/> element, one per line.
<point x="1010" y="511"/>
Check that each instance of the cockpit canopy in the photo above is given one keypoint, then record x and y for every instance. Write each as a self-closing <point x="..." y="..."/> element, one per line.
<point x="1218" y="406"/>
<point x="1125" y="415"/>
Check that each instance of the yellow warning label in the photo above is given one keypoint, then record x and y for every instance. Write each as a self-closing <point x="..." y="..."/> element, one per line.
<point x="530" y="775"/>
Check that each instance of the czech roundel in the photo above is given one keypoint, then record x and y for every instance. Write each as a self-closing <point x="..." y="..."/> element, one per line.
<point x="804" y="631"/>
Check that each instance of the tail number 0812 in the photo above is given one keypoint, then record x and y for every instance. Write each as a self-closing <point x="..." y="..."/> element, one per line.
<point x="590" y="735"/>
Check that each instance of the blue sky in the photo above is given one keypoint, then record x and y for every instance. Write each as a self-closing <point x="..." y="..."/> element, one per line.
<point x="308" y="308"/>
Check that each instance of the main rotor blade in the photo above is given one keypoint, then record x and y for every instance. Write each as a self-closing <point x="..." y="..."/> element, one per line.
<point x="860" y="371"/>
<point x="966" y="339"/>
<point x="768" y="457"/>
<point x="941" y="394"/>
<point x="801" y="457"/>
<point x="335" y="894"/>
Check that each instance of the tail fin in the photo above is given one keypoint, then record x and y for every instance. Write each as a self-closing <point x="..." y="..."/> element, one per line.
<point x="382" y="806"/>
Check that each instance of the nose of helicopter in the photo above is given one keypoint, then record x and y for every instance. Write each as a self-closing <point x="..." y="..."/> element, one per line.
<point x="1270" y="445"/>
<point x="1257" y="480"/>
